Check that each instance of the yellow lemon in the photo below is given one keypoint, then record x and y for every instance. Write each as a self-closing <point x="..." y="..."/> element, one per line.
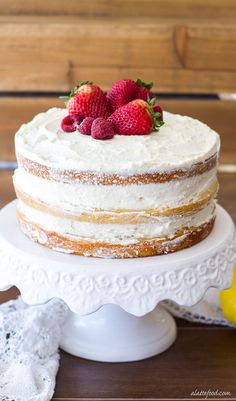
<point x="228" y="301"/>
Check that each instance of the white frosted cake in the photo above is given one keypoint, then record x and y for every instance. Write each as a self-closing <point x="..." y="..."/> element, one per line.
<point x="129" y="196"/>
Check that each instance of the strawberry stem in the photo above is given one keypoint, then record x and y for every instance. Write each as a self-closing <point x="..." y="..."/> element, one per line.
<point x="155" y="115"/>
<point x="139" y="82"/>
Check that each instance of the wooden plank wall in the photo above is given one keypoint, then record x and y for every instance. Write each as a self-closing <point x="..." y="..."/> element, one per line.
<point x="184" y="46"/>
<point x="181" y="45"/>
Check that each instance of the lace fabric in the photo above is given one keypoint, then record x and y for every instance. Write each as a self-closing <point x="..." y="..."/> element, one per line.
<point x="29" y="357"/>
<point x="207" y="311"/>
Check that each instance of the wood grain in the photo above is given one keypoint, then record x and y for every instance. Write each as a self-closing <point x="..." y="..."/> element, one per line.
<point x="12" y="293"/>
<point x="217" y="114"/>
<point x="64" y="77"/>
<point x="122" y="8"/>
<point x="59" y="51"/>
<point x="201" y="358"/>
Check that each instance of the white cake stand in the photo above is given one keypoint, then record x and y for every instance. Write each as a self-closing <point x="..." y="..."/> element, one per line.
<point x="114" y="315"/>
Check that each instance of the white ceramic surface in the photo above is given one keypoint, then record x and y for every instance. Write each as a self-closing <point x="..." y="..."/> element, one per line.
<point x="113" y="335"/>
<point x="135" y="285"/>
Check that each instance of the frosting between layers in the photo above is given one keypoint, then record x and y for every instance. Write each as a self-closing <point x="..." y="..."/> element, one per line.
<point x="77" y="198"/>
<point x="125" y="234"/>
<point x="180" y="143"/>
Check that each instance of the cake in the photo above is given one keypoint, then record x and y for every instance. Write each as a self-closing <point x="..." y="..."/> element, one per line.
<point x="129" y="196"/>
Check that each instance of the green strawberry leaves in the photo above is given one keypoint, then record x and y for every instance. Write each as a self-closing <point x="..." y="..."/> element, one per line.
<point x="139" y="82"/>
<point x="155" y="115"/>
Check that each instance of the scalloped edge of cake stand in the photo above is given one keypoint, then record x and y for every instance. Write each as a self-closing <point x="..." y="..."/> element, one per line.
<point x="119" y="298"/>
<point x="137" y="285"/>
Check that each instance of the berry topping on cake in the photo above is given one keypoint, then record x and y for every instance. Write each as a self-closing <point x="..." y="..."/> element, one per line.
<point x="121" y="93"/>
<point x="144" y="90"/>
<point x="102" y="129"/>
<point x="87" y="100"/>
<point x="71" y="123"/>
<point x="136" y="118"/>
<point x="85" y="126"/>
<point x="129" y="108"/>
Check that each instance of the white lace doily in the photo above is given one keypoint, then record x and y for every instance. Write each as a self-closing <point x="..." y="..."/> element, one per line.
<point x="29" y="358"/>
<point x="207" y="311"/>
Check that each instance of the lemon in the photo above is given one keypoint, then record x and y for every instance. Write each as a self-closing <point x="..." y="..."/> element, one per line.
<point x="228" y="301"/>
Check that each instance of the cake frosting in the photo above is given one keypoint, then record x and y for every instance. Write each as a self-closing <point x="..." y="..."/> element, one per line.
<point x="125" y="234"/>
<point x="180" y="143"/>
<point x="170" y="206"/>
<point x="80" y="198"/>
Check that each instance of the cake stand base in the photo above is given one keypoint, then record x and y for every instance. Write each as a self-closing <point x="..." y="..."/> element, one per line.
<point x="114" y="314"/>
<point x="113" y="335"/>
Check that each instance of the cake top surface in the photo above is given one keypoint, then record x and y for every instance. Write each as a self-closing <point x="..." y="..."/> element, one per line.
<point x="180" y="143"/>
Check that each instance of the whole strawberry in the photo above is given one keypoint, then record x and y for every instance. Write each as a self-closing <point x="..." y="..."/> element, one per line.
<point x="121" y="92"/>
<point x="144" y="90"/>
<point x="87" y="100"/>
<point x="126" y="90"/>
<point x="102" y="129"/>
<point x="136" y="118"/>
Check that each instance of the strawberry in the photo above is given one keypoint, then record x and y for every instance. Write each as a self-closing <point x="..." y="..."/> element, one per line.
<point x="121" y="92"/>
<point x="144" y="90"/>
<point x="102" y="129"/>
<point x="126" y="90"/>
<point x="136" y="118"/>
<point x="71" y="123"/>
<point x="85" y="126"/>
<point x="87" y="100"/>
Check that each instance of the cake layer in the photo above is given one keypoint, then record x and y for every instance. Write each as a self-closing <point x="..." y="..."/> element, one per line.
<point x="125" y="234"/>
<point x="91" y="177"/>
<point x="155" y="199"/>
<point x="118" y="216"/>
<point x="179" y="145"/>
<point x="104" y="250"/>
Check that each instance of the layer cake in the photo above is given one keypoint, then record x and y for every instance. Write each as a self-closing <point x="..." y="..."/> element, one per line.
<point x="129" y="196"/>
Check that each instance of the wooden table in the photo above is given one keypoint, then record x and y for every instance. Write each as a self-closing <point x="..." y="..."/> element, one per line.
<point x="203" y="357"/>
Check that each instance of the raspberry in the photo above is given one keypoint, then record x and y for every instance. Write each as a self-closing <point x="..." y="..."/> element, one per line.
<point x="85" y="126"/>
<point x="102" y="129"/>
<point x="71" y="123"/>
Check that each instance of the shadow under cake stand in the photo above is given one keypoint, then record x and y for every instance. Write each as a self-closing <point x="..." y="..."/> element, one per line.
<point x="114" y="314"/>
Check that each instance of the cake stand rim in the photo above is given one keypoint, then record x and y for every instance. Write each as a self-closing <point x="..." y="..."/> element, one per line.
<point x="136" y="289"/>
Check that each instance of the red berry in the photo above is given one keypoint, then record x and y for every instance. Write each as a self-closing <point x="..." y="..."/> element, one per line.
<point x="144" y="93"/>
<point x="85" y="126"/>
<point x="144" y="90"/>
<point x="134" y="118"/>
<point x="158" y="109"/>
<point x="71" y="123"/>
<point x="122" y="92"/>
<point x="102" y="129"/>
<point x="88" y="100"/>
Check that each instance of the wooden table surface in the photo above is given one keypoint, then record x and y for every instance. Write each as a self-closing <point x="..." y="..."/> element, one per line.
<point x="203" y="357"/>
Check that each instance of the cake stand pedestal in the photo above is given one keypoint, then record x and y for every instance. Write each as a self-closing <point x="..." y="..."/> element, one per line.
<point x="114" y="314"/>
